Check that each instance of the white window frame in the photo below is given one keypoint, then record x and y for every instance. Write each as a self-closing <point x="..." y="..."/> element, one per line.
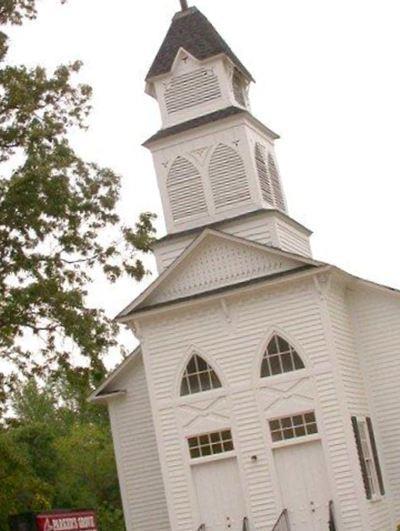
<point x="268" y="358"/>
<point x="299" y="439"/>
<point x="209" y="373"/>
<point x="224" y="454"/>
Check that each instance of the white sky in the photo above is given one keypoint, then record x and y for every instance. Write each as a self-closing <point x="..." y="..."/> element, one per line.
<point x="328" y="82"/>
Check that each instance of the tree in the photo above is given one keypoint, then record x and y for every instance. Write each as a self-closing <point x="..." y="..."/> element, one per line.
<point x="58" y="221"/>
<point x="56" y="454"/>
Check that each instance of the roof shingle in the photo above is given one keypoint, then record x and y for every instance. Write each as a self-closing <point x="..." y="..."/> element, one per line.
<point x="191" y="30"/>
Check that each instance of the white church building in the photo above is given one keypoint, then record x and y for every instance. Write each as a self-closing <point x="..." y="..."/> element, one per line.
<point x="265" y="393"/>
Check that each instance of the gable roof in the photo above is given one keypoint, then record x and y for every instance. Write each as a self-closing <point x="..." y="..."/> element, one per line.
<point x="298" y="262"/>
<point x="191" y="30"/>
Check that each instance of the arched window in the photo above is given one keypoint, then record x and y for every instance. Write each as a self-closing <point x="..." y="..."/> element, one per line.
<point x="276" y="185"/>
<point x="185" y="190"/>
<point x="228" y="178"/>
<point x="263" y="173"/>
<point x="198" y="377"/>
<point x="280" y="357"/>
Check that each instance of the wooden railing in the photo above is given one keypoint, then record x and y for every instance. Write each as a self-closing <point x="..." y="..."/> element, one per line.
<point x="282" y="524"/>
<point x="332" y="524"/>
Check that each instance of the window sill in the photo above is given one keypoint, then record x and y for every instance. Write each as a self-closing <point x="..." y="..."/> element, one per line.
<point x="212" y="458"/>
<point x="295" y="441"/>
<point x="266" y="381"/>
<point x="211" y="394"/>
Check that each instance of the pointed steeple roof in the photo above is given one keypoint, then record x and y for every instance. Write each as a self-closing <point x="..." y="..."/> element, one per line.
<point x="191" y="30"/>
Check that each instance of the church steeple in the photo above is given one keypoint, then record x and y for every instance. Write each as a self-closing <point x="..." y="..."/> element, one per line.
<point x="214" y="160"/>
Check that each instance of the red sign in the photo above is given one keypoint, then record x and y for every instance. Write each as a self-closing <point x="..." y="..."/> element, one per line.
<point x="68" y="521"/>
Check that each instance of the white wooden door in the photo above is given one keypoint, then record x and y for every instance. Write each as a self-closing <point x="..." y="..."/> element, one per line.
<point x="304" y="486"/>
<point x="219" y="495"/>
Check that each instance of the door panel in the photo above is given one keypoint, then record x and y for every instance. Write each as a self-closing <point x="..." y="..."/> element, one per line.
<point x="304" y="486"/>
<point x="219" y="495"/>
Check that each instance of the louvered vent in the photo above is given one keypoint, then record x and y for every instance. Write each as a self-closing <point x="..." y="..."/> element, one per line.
<point x="276" y="185"/>
<point x="192" y="89"/>
<point x="185" y="190"/>
<point x="228" y="177"/>
<point x="238" y="88"/>
<point x="263" y="174"/>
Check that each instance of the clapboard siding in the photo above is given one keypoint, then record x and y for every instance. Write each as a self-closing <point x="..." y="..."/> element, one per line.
<point x="377" y="324"/>
<point x="139" y="470"/>
<point x="291" y="239"/>
<point x="347" y="356"/>
<point x="232" y="338"/>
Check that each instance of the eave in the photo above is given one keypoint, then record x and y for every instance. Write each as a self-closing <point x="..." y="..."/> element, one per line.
<point x="229" y="290"/>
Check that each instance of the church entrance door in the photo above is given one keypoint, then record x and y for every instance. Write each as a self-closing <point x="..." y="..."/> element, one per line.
<point x="219" y="495"/>
<point x="304" y="486"/>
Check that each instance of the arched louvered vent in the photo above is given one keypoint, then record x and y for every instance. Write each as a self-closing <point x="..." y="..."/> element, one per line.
<point x="276" y="185"/>
<point x="280" y="357"/>
<point x="263" y="174"/>
<point x="239" y="88"/>
<point x="193" y="88"/>
<point x="185" y="190"/>
<point x="198" y="376"/>
<point x="228" y="177"/>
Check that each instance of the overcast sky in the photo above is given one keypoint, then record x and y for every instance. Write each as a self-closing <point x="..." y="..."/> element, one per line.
<point x="328" y="82"/>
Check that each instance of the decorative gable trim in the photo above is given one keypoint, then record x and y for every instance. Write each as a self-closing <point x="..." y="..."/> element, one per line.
<point x="138" y="302"/>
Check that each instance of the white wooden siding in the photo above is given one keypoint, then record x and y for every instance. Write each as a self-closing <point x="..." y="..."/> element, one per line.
<point x="349" y="363"/>
<point x="355" y="388"/>
<point x="377" y="324"/>
<point x="139" y="470"/>
<point x="232" y="336"/>
<point x="293" y="240"/>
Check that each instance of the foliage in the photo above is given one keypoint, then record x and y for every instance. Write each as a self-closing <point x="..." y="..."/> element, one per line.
<point x="53" y="454"/>
<point x="58" y="222"/>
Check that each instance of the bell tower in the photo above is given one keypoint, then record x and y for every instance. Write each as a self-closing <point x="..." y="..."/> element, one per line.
<point x="214" y="160"/>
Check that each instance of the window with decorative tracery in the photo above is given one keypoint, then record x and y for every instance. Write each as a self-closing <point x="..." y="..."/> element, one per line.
<point x="199" y="376"/>
<point x="279" y="358"/>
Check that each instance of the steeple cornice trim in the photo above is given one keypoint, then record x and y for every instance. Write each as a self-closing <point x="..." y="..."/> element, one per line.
<point x="218" y="225"/>
<point x="205" y="120"/>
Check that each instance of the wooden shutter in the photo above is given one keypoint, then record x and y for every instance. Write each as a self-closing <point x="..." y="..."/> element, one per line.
<point x="191" y="89"/>
<point x="263" y="174"/>
<point x="228" y="177"/>
<point x="361" y="457"/>
<point x="375" y="455"/>
<point x="185" y="190"/>
<point x="276" y="184"/>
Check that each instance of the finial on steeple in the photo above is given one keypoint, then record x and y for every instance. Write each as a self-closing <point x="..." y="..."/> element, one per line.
<point x="184" y="5"/>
